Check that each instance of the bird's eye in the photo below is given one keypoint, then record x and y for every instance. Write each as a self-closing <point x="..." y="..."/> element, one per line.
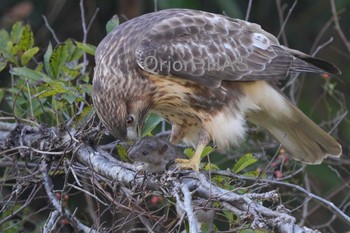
<point x="145" y="153"/>
<point x="130" y="120"/>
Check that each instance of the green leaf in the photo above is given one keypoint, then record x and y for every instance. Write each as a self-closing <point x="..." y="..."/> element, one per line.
<point x="86" y="88"/>
<point x="207" y="150"/>
<point x="151" y="122"/>
<point x="16" y="32"/>
<point x="75" y="55"/>
<point x="255" y="173"/>
<point x="85" y="115"/>
<point x="211" y="166"/>
<point x="229" y="216"/>
<point x="244" y="162"/>
<point x="70" y="98"/>
<point x="122" y="152"/>
<point x="47" y="58"/>
<point x="58" y="58"/>
<point x="28" y="55"/>
<point x="88" y="48"/>
<point x="54" y="88"/>
<point x="40" y="67"/>
<point x="27" y="38"/>
<point x="85" y="78"/>
<point x="189" y="152"/>
<point x="30" y="74"/>
<point x="112" y="23"/>
<point x="6" y="53"/>
<point x="74" y="52"/>
<point x="4" y="39"/>
<point x="72" y="73"/>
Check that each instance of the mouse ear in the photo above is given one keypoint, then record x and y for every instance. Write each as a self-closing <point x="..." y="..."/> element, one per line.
<point x="162" y="149"/>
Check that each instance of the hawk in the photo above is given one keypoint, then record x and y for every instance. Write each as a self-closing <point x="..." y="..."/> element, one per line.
<point x="206" y="74"/>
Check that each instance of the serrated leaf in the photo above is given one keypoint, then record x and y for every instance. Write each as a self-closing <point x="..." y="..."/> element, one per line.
<point x="16" y="32"/>
<point x="123" y="154"/>
<point x="244" y="162"/>
<point x="88" y="48"/>
<point x="30" y="74"/>
<point x="28" y="55"/>
<point x="47" y="58"/>
<point x="112" y="23"/>
<point x="58" y="58"/>
<point x="54" y="88"/>
<point x="151" y="122"/>
<point x="27" y="39"/>
<point x="70" y="72"/>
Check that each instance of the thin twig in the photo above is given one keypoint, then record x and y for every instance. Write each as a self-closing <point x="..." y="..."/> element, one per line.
<point x="85" y="32"/>
<point x="306" y="201"/>
<point x="89" y="194"/>
<point x="286" y="20"/>
<point x="57" y="203"/>
<point x="249" y="8"/>
<point x="50" y="29"/>
<point x="337" y="26"/>
<point x="92" y="19"/>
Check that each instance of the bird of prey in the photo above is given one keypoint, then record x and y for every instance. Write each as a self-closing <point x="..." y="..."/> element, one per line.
<point x="206" y="74"/>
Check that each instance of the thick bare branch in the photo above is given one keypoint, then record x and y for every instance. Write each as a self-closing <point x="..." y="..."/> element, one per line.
<point x="178" y="184"/>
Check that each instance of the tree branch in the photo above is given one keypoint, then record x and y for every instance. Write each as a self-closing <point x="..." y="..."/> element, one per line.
<point x="247" y="206"/>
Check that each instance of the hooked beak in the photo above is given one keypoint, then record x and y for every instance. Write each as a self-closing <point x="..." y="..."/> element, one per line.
<point x="134" y="132"/>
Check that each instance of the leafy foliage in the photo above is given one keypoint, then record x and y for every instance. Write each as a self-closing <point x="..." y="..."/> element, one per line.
<point x="50" y="87"/>
<point x="244" y="162"/>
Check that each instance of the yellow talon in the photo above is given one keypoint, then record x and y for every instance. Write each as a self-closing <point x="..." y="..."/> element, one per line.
<point x="192" y="163"/>
<point x="187" y="164"/>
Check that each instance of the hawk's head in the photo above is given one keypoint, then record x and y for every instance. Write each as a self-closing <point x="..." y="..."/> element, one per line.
<point x="129" y="117"/>
<point x="121" y="105"/>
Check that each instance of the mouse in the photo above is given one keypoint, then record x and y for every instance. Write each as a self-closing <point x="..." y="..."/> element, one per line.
<point x="155" y="154"/>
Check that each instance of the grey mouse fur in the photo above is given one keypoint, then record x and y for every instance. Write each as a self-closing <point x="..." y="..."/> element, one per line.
<point x="155" y="153"/>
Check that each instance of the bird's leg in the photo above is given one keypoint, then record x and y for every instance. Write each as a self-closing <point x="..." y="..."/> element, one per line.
<point x="194" y="162"/>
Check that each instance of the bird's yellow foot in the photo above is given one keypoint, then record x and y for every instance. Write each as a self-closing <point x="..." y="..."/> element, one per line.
<point x="188" y="164"/>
